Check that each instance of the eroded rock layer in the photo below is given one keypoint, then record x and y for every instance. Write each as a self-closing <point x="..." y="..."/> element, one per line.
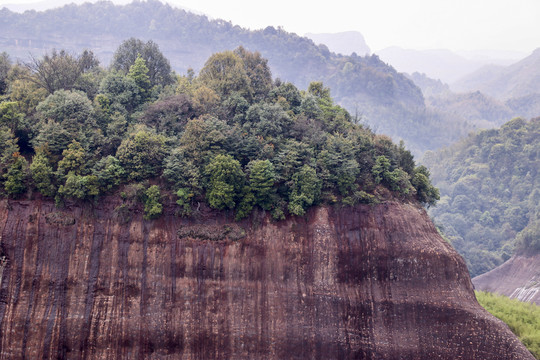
<point x="370" y="282"/>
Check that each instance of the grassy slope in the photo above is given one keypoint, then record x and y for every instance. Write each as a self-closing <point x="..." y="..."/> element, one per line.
<point x="522" y="318"/>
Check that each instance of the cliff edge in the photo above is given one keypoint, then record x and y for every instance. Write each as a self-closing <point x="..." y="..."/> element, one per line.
<point x="369" y="282"/>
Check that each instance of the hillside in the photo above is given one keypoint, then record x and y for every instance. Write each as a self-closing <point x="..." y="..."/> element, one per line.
<point x="366" y="86"/>
<point x="523" y="319"/>
<point x="490" y="191"/>
<point x="440" y="64"/>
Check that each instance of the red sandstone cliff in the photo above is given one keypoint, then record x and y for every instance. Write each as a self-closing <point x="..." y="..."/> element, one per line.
<point x="373" y="282"/>
<point x="519" y="278"/>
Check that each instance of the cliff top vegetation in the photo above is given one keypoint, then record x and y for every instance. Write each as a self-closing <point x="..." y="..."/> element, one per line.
<point x="231" y="135"/>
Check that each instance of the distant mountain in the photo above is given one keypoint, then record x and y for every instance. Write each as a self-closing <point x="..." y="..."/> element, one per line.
<point x="344" y="43"/>
<point x="443" y="64"/>
<point x="514" y="81"/>
<point x="430" y="87"/>
<point x="438" y="64"/>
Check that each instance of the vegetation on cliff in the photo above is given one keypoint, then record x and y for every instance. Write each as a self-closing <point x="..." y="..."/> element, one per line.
<point x="490" y="193"/>
<point x="231" y="136"/>
<point x="522" y="318"/>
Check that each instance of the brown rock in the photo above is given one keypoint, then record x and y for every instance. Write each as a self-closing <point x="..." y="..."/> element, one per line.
<point x="371" y="282"/>
<point x="518" y="278"/>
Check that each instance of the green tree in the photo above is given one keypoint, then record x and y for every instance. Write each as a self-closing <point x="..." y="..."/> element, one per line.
<point x="8" y="147"/>
<point x="426" y="193"/>
<point x="121" y="90"/>
<point x="42" y="173"/>
<point x="141" y="154"/>
<point x="60" y="70"/>
<point x="16" y="175"/>
<point x="225" y="181"/>
<point x="79" y="186"/>
<point x="109" y="173"/>
<point x="184" y="200"/>
<point x="262" y="177"/>
<point x="5" y="67"/>
<point x="74" y="159"/>
<point x="225" y="73"/>
<point x="139" y="73"/>
<point x="258" y="72"/>
<point x="10" y="115"/>
<point x="152" y="203"/>
<point x="305" y="190"/>
<point x="159" y="68"/>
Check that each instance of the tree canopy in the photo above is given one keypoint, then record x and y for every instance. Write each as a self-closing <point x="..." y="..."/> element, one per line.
<point x="230" y="137"/>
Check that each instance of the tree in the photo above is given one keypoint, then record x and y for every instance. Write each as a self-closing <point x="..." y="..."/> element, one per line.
<point x="152" y="205"/>
<point x="141" y="154"/>
<point x="72" y="110"/>
<point x="10" y="115"/>
<point x="16" y="175"/>
<point x="60" y="70"/>
<point x="159" y="69"/>
<point x="305" y="190"/>
<point x="139" y="73"/>
<point x="225" y="73"/>
<point x="79" y="186"/>
<point x="262" y="177"/>
<point x="121" y="90"/>
<point x="267" y="120"/>
<point x="225" y="181"/>
<point x="74" y="159"/>
<point x="109" y="172"/>
<point x="8" y="147"/>
<point x="426" y="193"/>
<point x="5" y="66"/>
<point x="42" y="173"/>
<point x="258" y="71"/>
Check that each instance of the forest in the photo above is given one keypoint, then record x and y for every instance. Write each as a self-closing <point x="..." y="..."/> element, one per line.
<point x="231" y="136"/>
<point x="490" y="196"/>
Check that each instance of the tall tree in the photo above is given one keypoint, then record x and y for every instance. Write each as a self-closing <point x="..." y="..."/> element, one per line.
<point x="60" y="70"/>
<point x="159" y="69"/>
<point x="225" y="74"/>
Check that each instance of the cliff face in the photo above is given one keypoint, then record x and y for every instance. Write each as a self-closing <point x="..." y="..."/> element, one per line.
<point x="362" y="283"/>
<point x="519" y="278"/>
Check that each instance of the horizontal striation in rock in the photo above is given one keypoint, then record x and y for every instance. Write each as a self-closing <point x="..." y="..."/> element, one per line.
<point x="369" y="282"/>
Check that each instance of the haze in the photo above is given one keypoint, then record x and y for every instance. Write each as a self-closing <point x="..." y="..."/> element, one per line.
<point x="459" y="25"/>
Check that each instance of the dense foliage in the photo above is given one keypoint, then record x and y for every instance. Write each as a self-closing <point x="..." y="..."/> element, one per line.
<point x="232" y="137"/>
<point x="365" y="85"/>
<point x="490" y="193"/>
<point x="522" y="318"/>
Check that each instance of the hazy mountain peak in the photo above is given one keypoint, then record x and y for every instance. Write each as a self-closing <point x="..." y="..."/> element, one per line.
<point x="344" y="43"/>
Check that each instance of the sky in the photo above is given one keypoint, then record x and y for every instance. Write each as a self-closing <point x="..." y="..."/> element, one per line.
<point x="457" y="25"/>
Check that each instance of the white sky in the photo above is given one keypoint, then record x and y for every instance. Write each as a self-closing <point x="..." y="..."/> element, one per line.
<point x="416" y="24"/>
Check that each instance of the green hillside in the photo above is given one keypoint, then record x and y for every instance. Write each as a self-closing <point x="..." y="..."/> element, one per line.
<point x="231" y="137"/>
<point x="522" y="318"/>
<point x="490" y="193"/>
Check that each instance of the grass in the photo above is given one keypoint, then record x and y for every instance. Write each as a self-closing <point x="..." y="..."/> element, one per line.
<point x="521" y="317"/>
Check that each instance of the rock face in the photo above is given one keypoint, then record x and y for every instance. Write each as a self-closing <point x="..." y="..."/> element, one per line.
<point x="370" y="282"/>
<point x="518" y="278"/>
